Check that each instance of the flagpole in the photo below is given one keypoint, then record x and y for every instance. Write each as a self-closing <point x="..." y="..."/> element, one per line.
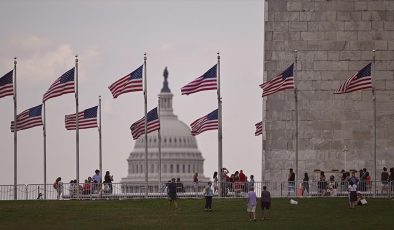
<point x="262" y="145"/>
<point x="220" y="135"/>
<point x="15" y="136"/>
<point x="263" y="156"/>
<point x="44" y="133"/>
<point x="77" y="118"/>
<point x="374" y="119"/>
<point x="146" y="127"/>
<point x="100" y="140"/>
<point x="296" y="123"/>
<point x="159" y="137"/>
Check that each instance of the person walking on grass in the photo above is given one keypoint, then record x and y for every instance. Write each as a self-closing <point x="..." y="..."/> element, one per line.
<point x="265" y="203"/>
<point x="208" y="193"/>
<point x="251" y="201"/>
<point x="172" y="194"/>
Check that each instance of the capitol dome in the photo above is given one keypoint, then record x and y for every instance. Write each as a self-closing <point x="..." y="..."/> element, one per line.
<point x="180" y="157"/>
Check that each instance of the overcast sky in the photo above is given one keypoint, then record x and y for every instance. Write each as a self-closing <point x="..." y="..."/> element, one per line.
<point x="110" y="38"/>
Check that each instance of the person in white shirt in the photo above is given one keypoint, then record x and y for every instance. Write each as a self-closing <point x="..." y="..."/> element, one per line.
<point x="352" y="194"/>
<point x="96" y="181"/>
<point x="208" y="193"/>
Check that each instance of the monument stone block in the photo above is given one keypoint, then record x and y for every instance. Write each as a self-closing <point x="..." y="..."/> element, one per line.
<point x="334" y="40"/>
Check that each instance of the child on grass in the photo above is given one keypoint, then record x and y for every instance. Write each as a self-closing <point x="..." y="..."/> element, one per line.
<point x="208" y="193"/>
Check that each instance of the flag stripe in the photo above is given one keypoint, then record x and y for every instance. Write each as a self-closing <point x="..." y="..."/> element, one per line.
<point x="205" y="123"/>
<point x="283" y="81"/>
<point x="259" y="128"/>
<point x="6" y="84"/>
<point x="153" y="124"/>
<point x="7" y="90"/>
<point x="27" y="119"/>
<point x="86" y="119"/>
<point x="140" y="130"/>
<point x="63" y="85"/>
<point x="361" y="80"/>
<point x="129" y="83"/>
<point x="208" y="81"/>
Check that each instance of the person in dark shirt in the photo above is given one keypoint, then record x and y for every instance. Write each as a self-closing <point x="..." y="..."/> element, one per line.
<point x="391" y="178"/>
<point x="343" y="180"/>
<point x="179" y="185"/>
<point x="353" y="178"/>
<point x="322" y="184"/>
<point x="291" y="182"/>
<point x="305" y="183"/>
<point x="172" y="194"/>
<point x="265" y="203"/>
<point x="363" y="179"/>
<point x="384" y="178"/>
<point x="108" y="178"/>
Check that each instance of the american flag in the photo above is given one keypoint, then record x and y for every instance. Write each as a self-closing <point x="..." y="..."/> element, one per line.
<point x="86" y="119"/>
<point x="28" y="119"/>
<point x="205" y="123"/>
<point x="283" y="81"/>
<point x="259" y="128"/>
<point x="153" y="124"/>
<point x="6" y="85"/>
<point x="64" y="84"/>
<point x="361" y="80"/>
<point x="206" y="82"/>
<point x="129" y="83"/>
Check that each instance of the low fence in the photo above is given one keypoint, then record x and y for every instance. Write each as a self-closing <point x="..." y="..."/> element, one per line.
<point x="68" y="191"/>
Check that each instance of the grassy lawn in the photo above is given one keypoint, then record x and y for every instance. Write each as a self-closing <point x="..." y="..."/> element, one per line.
<point x="323" y="213"/>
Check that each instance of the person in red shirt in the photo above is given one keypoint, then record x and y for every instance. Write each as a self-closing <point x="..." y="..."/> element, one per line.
<point x="242" y="176"/>
<point x="242" y="180"/>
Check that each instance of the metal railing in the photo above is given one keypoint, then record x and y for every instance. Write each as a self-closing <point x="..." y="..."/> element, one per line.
<point x="91" y="191"/>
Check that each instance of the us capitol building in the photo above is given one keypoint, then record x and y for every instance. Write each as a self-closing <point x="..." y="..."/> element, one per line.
<point x="179" y="152"/>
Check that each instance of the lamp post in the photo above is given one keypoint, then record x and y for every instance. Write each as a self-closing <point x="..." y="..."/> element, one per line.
<point x="345" y="150"/>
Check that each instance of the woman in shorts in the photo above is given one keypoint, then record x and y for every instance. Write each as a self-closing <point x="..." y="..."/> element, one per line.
<point x="352" y="194"/>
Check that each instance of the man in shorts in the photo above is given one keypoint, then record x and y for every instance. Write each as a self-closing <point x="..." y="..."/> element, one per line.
<point x="252" y="200"/>
<point x="265" y="203"/>
<point x="172" y="194"/>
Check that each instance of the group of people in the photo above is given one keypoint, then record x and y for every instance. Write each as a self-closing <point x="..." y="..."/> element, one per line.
<point x="251" y="201"/>
<point x="237" y="182"/>
<point x="325" y="187"/>
<point x="355" y="195"/>
<point x="173" y="187"/>
<point x="265" y="203"/>
<point x="330" y="187"/>
<point x="387" y="178"/>
<point x="92" y="185"/>
<point x="355" y="186"/>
